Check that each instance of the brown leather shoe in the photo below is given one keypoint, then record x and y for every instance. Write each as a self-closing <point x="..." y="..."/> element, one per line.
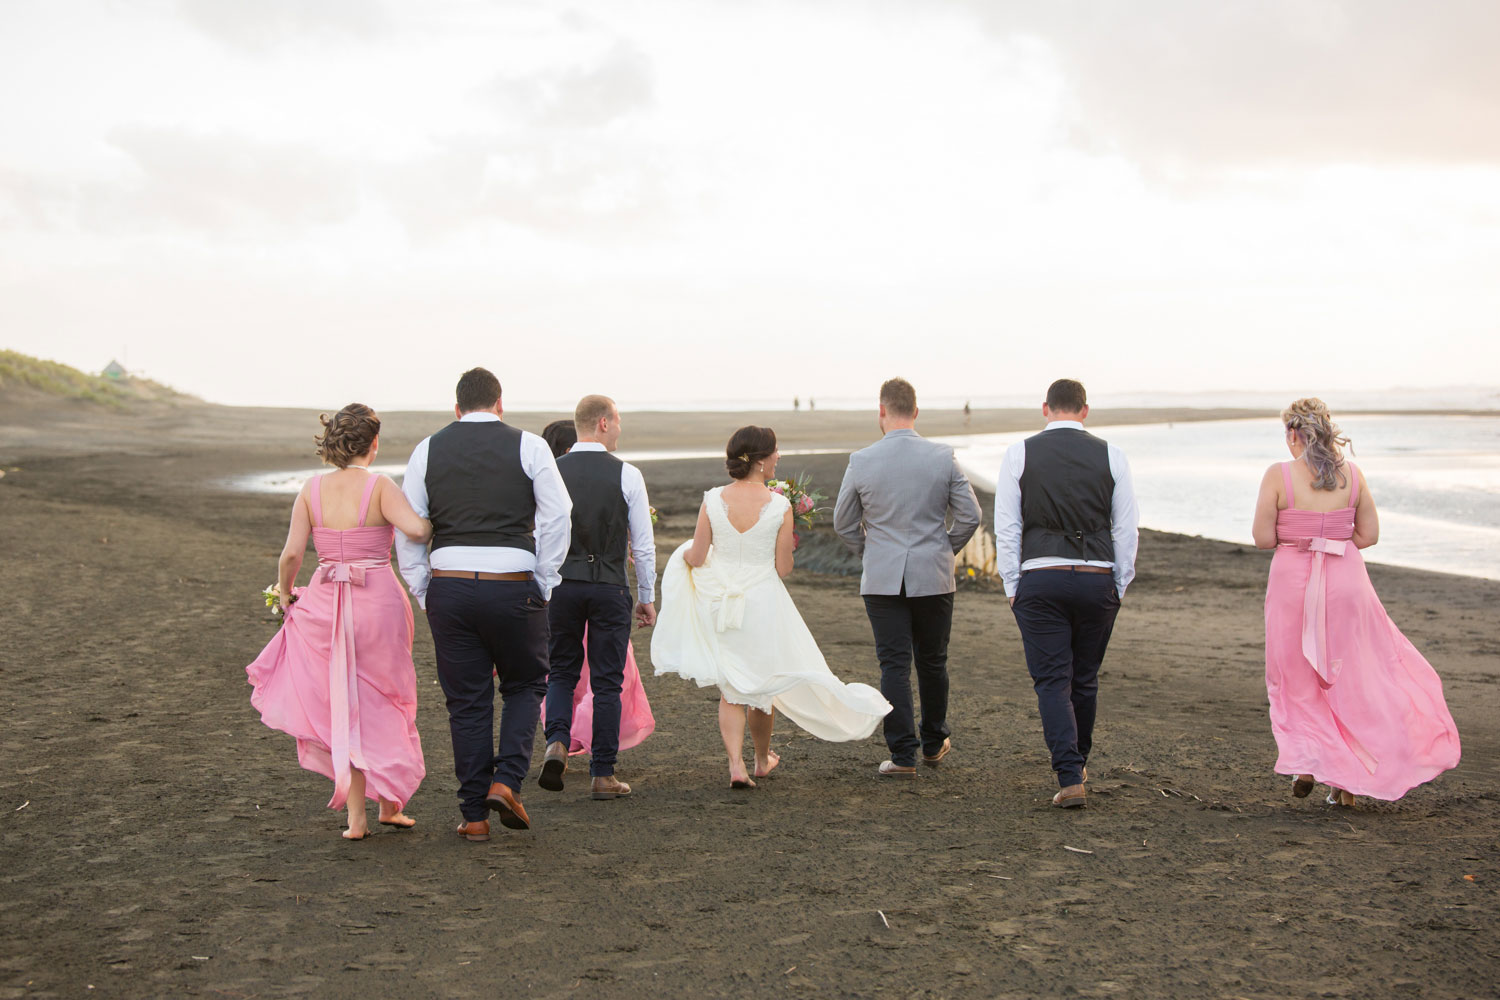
<point x="609" y="788"/>
<point x="943" y="751"/>
<point x="893" y="770"/>
<point x="477" y="830"/>
<point x="505" y="802"/>
<point x="554" y="766"/>
<point x="1072" y="797"/>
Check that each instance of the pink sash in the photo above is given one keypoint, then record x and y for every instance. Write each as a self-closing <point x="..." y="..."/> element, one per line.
<point x="343" y="686"/>
<point x="1315" y="608"/>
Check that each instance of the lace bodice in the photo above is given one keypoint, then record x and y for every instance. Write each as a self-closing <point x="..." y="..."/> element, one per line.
<point x="751" y="549"/>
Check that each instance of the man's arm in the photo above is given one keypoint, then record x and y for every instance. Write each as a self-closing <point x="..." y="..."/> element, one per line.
<point x="849" y="513"/>
<point x="412" y="556"/>
<point x="1125" y="520"/>
<point x="642" y="535"/>
<point x="964" y="506"/>
<point x="554" y="510"/>
<point x="1008" y="517"/>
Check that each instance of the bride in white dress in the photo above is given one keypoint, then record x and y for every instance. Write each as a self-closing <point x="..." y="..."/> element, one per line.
<point x="727" y="619"/>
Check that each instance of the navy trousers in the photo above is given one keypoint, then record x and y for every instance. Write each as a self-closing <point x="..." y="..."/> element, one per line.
<point x="908" y="629"/>
<point x="601" y="613"/>
<point x="1065" y="619"/>
<point x="482" y="630"/>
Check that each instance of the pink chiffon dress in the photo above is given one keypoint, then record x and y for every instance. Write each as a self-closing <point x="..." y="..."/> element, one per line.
<point x="1352" y="701"/>
<point x="338" y="675"/>
<point x="636" y="720"/>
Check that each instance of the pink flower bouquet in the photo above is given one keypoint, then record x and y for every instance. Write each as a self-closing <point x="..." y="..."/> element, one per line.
<point x="803" y="498"/>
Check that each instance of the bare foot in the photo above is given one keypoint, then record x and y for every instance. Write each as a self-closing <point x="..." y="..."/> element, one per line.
<point x="738" y="778"/>
<point x="360" y="833"/>
<point x="763" y="769"/>
<point x="391" y="816"/>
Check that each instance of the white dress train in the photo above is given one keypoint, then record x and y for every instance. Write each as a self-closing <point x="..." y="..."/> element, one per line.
<point x="731" y="623"/>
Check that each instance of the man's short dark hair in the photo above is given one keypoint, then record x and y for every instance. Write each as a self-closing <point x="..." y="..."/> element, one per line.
<point x="899" y="398"/>
<point x="478" y="389"/>
<point x="1066" y="395"/>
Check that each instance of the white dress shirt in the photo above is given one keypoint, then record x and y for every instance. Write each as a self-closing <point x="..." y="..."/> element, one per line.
<point x="642" y="537"/>
<point x="1125" y="518"/>
<point x="553" y="511"/>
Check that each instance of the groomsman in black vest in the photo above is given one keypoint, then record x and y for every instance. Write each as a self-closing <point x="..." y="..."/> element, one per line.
<point x="610" y="515"/>
<point x="1065" y="543"/>
<point x="499" y="515"/>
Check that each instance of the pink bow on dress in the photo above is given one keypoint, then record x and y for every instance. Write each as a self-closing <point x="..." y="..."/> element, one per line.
<point x="343" y="688"/>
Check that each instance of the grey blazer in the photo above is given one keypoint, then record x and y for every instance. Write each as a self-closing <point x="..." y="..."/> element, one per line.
<point x="892" y="512"/>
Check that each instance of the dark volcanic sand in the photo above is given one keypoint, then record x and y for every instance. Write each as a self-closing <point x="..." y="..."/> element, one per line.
<point x="170" y="846"/>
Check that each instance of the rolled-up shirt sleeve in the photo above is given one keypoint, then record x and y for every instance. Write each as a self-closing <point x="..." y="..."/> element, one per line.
<point x="642" y="535"/>
<point x="412" y="556"/>
<point x="554" y="511"/>
<point x="1125" y="520"/>
<point x="1008" y="517"/>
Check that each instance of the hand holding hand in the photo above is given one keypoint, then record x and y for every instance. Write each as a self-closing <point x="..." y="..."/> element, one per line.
<point x="645" y="615"/>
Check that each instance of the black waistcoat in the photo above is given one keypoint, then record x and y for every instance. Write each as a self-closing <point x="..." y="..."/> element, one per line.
<point x="601" y="518"/>
<point x="477" y="491"/>
<point x="1066" y="496"/>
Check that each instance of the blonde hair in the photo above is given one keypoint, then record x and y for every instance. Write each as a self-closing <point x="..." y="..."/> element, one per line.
<point x="1322" y="441"/>
<point x="591" y="410"/>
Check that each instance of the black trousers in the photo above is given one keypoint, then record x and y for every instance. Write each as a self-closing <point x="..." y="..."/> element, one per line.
<point x="1066" y="618"/>
<point x="600" y="611"/>
<point x="483" y="629"/>
<point x="907" y="629"/>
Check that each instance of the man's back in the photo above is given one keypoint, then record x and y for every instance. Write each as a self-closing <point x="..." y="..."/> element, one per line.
<point x="893" y="509"/>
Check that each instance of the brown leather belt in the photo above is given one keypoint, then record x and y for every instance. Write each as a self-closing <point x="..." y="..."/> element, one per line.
<point x="1074" y="569"/>
<point x="465" y="574"/>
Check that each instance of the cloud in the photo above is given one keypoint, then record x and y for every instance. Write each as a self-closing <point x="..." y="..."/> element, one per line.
<point x="565" y="149"/>
<point x="1264" y="82"/>
<point x="577" y="97"/>
<point x="258" y="25"/>
<point x="223" y="184"/>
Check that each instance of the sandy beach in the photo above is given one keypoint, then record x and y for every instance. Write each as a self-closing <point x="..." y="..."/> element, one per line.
<point x="158" y="840"/>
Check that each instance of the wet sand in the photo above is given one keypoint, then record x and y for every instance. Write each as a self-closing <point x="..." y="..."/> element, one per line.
<point x="159" y="841"/>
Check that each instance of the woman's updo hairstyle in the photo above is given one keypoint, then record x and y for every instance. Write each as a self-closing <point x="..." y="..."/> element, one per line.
<point x="1322" y="441"/>
<point x="347" y="434"/>
<point x="748" y="446"/>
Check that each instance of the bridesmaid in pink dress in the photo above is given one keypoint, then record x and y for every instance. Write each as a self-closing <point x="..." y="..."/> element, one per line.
<point x="338" y="675"/>
<point x="1353" y="704"/>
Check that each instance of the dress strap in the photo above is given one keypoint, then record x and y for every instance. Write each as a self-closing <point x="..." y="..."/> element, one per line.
<point x="1353" y="490"/>
<point x="315" y="500"/>
<point x="1286" y="477"/>
<point x="364" y="501"/>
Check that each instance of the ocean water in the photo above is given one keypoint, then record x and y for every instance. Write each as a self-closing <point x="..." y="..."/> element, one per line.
<point x="1435" y="480"/>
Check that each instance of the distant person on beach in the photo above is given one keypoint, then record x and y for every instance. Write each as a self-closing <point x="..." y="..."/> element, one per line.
<point x="1065" y="544"/>
<point x="1353" y="704"/>
<point x="812" y="404"/>
<point x="338" y="675"/>
<point x="967" y="413"/>
<point x="560" y="436"/>
<point x="796" y="404"/>
<point x="728" y="621"/>
<point x="591" y="610"/>
<point x="499" y="515"/>
<point x="892" y="512"/>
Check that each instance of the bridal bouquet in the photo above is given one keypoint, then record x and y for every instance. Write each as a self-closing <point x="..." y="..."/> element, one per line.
<point x="803" y="498"/>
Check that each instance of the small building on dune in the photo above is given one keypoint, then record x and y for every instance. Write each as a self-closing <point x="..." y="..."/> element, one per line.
<point x="114" y="370"/>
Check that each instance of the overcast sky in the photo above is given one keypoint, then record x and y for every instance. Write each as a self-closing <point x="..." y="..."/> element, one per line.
<point x="304" y="202"/>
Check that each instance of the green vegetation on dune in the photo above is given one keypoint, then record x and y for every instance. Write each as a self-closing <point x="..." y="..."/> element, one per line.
<point x="54" y="379"/>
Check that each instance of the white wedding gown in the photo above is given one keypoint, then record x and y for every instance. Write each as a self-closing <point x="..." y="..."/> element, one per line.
<point x="731" y="623"/>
